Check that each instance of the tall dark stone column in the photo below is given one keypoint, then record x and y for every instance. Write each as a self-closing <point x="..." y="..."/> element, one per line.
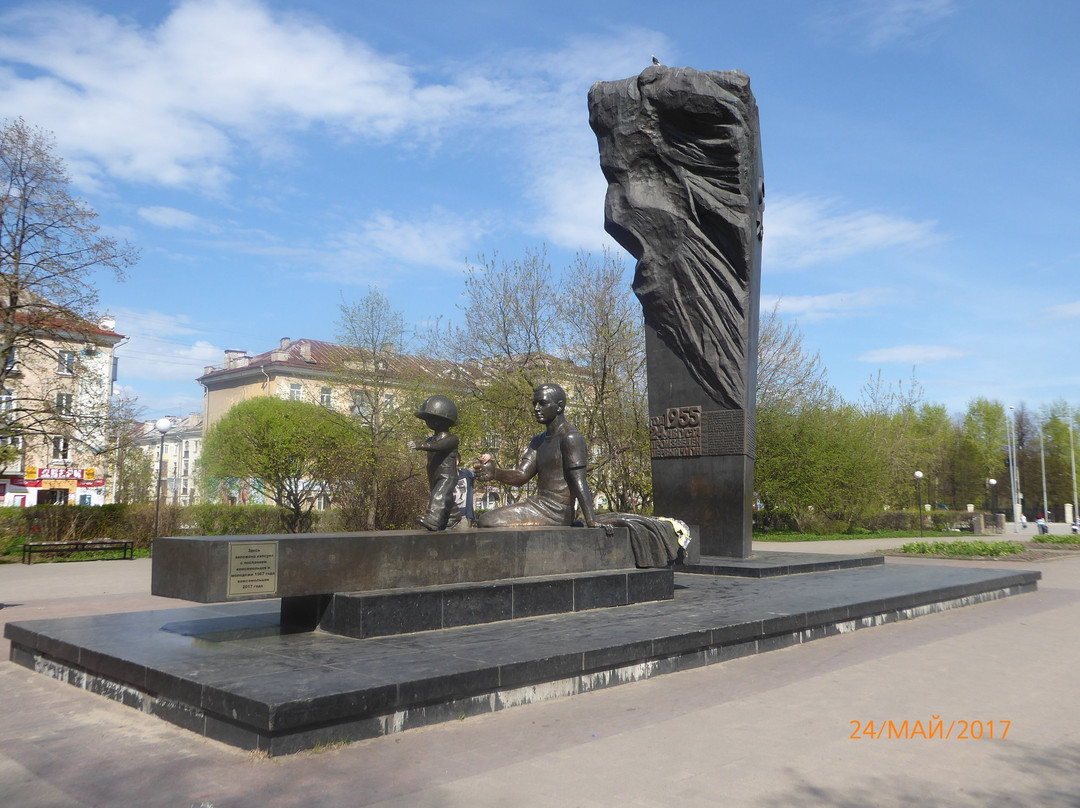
<point x="680" y="149"/>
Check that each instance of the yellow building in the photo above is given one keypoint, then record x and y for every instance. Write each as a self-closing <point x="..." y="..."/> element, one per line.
<point x="321" y="372"/>
<point x="56" y="401"/>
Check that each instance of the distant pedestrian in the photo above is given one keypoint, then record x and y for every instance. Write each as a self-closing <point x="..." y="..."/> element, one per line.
<point x="1023" y="521"/>
<point x="1043" y="527"/>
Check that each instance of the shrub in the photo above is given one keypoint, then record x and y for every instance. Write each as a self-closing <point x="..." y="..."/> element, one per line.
<point x="134" y="522"/>
<point x="963" y="548"/>
<point x="1056" y="539"/>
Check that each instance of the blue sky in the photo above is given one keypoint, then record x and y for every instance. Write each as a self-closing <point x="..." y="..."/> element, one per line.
<point x="270" y="157"/>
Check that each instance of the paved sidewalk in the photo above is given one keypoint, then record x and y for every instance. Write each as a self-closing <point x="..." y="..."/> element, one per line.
<point x="766" y="730"/>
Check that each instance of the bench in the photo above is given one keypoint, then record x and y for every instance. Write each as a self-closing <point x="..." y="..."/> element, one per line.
<point x="68" y="547"/>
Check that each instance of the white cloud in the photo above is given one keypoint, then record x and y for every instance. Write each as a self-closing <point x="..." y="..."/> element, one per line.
<point x="570" y="193"/>
<point x="150" y="359"/>
<point x="378" y="249"/>
<point x="153" y="405"/>
<point x="815" y="308"/>
<point x="559" y="152"/>
<point x="801" y="231"/>
<point x="879" y="23"/>
<point x="152" y="323"/>
<point x="175" y="104"/>
<point x="173" y="218"/>
<point x="1065" y="309"/>
<point x="168" y="105"/>
<point x="441" y="238"/>
<point x="913" y="354"/>
<point x="156" y="348"/>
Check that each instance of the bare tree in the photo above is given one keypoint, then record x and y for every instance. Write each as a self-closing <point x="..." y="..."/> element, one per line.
<point x="605" y="338"/>
<point x="511" y="335"/>
<point x="50" y="251"/>
<point x="788" y="376"/>
<point x="384" y="384"/>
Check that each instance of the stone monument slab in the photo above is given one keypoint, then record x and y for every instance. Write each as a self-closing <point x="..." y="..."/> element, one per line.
<point x="680" y="149"/>
<point x="211" y="569"/>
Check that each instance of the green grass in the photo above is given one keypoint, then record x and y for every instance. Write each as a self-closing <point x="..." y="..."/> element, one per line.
<point x="1070" y="539"/>
<point x="963" y="548"/>
<point x="777" y="535"/>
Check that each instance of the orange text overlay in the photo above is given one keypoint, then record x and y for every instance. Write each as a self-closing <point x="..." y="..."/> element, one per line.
<point x="932" y="730"/>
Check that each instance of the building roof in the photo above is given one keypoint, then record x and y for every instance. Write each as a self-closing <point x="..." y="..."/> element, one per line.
<point x="186" y="427"/>
<point x="45" y="317"/>
<point x="314" y="357"/>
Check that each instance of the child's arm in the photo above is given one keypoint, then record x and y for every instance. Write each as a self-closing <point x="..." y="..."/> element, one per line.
<point x="439" y="442"/>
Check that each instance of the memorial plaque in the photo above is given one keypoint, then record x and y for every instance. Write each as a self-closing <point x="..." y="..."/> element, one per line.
<point x="253" y="568"/>
<point x="676" y="433"/>
<point x="693" y="432"/>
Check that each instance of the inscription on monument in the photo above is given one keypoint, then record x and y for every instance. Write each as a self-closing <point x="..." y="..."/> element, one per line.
<point x="676" y="433"/>
<point x="689" y="432"/>
<point x="253" y="568"/>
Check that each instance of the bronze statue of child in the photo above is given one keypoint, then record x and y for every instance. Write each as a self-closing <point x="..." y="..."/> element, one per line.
<point x="440" y="413"/>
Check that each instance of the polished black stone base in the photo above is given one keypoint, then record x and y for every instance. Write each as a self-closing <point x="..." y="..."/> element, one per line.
<point x="404" y="611"/>
<point x="231" y="672"/>
<point x="769" y="563"/>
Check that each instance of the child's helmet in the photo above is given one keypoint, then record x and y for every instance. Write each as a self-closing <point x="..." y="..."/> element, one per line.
<point x="440" y="406"/>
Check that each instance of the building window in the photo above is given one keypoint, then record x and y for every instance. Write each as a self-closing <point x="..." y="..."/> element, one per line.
<point x="325" y="398"/>
<point x="295" y="392"/>
<point x="361" y="403"/>
<point x="64" y="403"/>
<point x="15" y="459"/>
<point x="7" y="400"/>
<point x="66" y="363"/>
<point x="11" y="361"/>
<point x="60" y="449"/>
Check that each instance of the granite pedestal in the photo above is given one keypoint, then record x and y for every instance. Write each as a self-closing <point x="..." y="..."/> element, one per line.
<point x="211" y="569"/>
<point x="232" y="672"/>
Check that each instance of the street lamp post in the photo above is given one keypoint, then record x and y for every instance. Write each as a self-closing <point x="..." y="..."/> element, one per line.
<point x="1072" y="459"/>
<point x="1014" y="472"/>
<point x="1042" y="461"/>
<point x="918" y="499"/>
<point x="163" y="425"/>
<point x="991" y="494"/>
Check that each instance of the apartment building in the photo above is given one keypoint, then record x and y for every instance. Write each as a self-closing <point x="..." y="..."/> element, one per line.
<point x="55" y="400"/>
<point x="320" y="372"/>
<point x="174" y="458"/>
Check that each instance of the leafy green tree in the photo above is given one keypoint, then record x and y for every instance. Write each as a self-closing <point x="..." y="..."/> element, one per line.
<point x="284" y="449"/>
<point x="794" y="456"/>
<point x="984" y="448"/>
<point x="134" y="472"/>
<point x="1054" y="423"/>
<point x="932" y="437"/>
